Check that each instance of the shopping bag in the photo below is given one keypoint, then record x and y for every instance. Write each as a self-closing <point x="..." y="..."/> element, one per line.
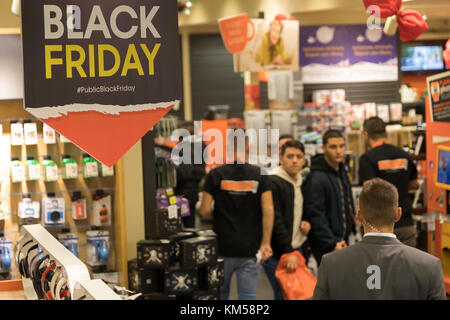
<point x="298" y="285"/>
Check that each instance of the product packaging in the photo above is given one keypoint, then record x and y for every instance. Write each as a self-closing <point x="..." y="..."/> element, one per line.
<point x="97" y="251"/>
<point x="30" y="130"/>
<point x="152" y="280"/>
<point x="4" y="210"/>
<point x="197" y="252"/>
<point x="69" y="167"/>
<point x="49" y="134"/>
<point x="383" y="112"/>
<point x="396" y="111"/>
<point x="50" y="169"/>
<point x="90" y="166"/>
<point x="154" y="253"/>
<point x="101" y="209"/>
<point x="53" y="211"/>
<point x="17" y="170"/>
<point x="179" y="280"/>
<point x="70" y="241"/>
<point x="370" y="109"/>
<point x="164" y="222"/>
<point x="211" y="276"/>
<point x="321" y="97"/>
<point x="337" y="95"/>
<point x="6" y="254"/>
<point x="28" y="209"/>
<point x="79" y="211"/>
<point x="176" y="247"/>
<point x="106" y="171"/>
<point x="16" y="134"/>
<point x="33" y="169"/>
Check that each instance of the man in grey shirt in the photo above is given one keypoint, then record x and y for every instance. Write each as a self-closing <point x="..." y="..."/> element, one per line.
<point x="379" y="267"/>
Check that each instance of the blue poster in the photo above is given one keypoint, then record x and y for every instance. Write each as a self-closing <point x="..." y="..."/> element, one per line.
<point x="347" y="53"/>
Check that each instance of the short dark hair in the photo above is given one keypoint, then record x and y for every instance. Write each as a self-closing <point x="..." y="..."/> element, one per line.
<point x="331" y="133"/>
<point x="378" y="202"/>
<point x="286" y="136"/>
<point x="292" y="144"/>
<point x="375" y="128"/>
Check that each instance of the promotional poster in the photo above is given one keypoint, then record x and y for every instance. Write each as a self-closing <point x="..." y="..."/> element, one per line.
<point x="347" y="53"/>
<point x="101" y="73"/>
<point x="439" y="97"/>
<point x="260" y="44"/>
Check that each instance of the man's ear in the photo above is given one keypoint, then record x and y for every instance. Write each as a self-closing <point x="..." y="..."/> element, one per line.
<point x="399" y="214"/>
<point x="359" y="216"/>
<point x="366" y="135"/>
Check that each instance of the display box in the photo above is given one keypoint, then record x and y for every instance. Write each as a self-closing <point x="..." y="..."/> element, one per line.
<point x="165" y="222"/>
<point x="176" y="246"/>
<point x="198" y="251"/>
<point x="180" y="280"/>
<point x="154" y="253"/>
<point x="151" y="280"/>
<point x="212" y="276"/>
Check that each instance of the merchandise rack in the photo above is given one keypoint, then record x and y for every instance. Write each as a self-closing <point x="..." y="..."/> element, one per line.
<point x="80" y="283"/>
<point x="13" y="192"/>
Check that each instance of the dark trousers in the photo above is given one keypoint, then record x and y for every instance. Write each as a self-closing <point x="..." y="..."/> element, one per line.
<point x="189" y="221"/>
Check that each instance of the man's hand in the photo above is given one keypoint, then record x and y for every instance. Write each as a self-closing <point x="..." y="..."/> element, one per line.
<point x="340" y="245"/>
<point x="266" y="252"/>
<point x="292" y="263"/>
<point x="305" y="227"/>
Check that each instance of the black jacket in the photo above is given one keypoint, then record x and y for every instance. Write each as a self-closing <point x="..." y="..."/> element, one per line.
<point x="322" y="205"/>
<point x="283" y="200"/>
<point x="189" y="177"/>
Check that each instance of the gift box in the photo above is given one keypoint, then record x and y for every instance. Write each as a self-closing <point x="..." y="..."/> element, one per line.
<point x="198" y="251"/>
<point x="154" y="253"/>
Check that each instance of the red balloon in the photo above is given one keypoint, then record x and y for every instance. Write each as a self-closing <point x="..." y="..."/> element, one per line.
<point x="410" y="25"/>
<point x="387" y="7"/>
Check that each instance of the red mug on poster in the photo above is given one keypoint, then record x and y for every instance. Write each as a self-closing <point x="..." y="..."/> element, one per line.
<point x="234" y="31"/>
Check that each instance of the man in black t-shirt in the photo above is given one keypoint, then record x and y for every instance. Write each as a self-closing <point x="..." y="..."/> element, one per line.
<point x="394" y="165"/>
<point x="242" y="219"/>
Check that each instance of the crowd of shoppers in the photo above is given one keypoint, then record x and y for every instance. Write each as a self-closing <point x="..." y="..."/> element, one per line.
<point x="260" y="216"/>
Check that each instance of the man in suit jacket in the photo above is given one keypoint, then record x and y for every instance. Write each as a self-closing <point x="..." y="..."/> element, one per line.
<point x="379" y="266"/>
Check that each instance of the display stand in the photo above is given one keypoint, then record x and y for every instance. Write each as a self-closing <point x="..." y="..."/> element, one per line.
<point x="80" y="283"/>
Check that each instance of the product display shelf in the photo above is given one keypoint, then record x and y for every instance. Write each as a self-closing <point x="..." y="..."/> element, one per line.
<point x="12" y="193"/>
<point x="78" y="277"/>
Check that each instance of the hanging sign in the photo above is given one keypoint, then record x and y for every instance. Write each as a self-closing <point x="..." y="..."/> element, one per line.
<point x="101" y="73"/>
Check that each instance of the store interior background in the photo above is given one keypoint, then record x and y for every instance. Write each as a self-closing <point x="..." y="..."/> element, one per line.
<point x="203" y="54"/>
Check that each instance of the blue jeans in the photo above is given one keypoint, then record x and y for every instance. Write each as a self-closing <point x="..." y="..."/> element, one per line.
<point x="270" y="265"/>
<point x="247" y="272"/>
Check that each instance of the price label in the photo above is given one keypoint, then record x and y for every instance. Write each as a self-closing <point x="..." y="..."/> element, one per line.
<point x="173" y="212"/>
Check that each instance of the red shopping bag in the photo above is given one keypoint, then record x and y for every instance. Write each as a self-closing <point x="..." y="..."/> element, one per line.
<point x="298" y="285"/>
